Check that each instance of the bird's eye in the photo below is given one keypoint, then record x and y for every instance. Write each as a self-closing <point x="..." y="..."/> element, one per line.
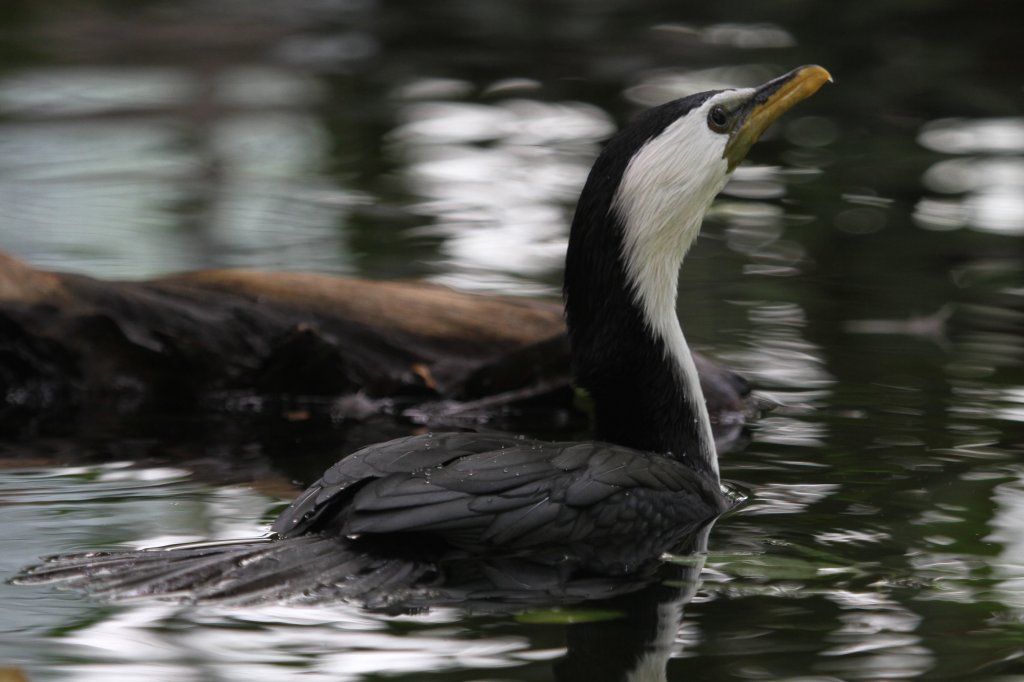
<point x="718" y="119"/>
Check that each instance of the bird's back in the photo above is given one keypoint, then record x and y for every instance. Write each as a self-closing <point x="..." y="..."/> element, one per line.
<point x="478" y="491"/>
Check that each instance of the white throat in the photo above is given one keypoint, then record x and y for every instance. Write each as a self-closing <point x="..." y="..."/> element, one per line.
<point x="665" y="191"/>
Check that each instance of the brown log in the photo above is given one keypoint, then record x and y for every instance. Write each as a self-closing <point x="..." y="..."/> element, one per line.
<point x="198" y="340"/>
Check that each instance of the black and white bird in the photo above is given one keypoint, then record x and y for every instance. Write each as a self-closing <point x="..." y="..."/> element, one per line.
<point x="650" y="476"/>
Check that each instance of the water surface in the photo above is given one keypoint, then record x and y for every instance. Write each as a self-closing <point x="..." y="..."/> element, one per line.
<point x="863" y="269"/>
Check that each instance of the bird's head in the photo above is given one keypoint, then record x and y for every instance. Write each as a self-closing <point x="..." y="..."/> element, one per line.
<point x="656" y="178"/>
<point x="684" y="151"/>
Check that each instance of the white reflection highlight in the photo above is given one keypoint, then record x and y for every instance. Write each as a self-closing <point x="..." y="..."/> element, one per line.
<point x="526" y="122"/>
<point x="1010" y="404"/>
<point x="967" y="136"/>
<point x="790" y="431"/>
<point x="787" y="368"/>
<point x="662" y="85"/>
<point x="500" y="182"/>
<point x="743" y="36"/>
<point x="989" y="178"/>
<point x="776" y="498"/>
<point x="876" y="638"/>
<point x="1008" y="530"/>
<point x="778" y="356"/>
<point x="848" y="537"/>
<point x="970" y="175"/>
<point x="336" y="643"/>
<point x="756" y="182"/>
<point x="83" y="91"/>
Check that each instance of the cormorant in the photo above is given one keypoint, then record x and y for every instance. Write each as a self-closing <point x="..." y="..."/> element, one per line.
<point x="650" y="476"/>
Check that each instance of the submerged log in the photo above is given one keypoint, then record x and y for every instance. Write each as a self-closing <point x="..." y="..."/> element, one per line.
<point x="206" y="340"/>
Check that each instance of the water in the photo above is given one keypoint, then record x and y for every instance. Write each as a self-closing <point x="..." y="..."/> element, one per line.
<point x="864" y="270"/>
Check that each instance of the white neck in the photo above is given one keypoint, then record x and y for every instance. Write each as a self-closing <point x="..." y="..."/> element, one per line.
<point x="658" y="231"/>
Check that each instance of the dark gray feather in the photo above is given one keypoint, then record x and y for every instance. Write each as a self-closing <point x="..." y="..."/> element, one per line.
<point x="448" y="484"/>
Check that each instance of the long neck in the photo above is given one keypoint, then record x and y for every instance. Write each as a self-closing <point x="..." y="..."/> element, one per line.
<point x="628" y="348"/>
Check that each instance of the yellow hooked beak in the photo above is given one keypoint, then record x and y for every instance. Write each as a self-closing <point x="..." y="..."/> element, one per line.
<point x="768" y="102"/>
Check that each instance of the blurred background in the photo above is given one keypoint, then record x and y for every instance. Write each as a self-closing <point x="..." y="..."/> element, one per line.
<point x="864" y="268"/>
<point x="450" y="139"/>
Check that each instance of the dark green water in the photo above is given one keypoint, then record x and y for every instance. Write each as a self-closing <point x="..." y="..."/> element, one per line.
<point x="864" y="269"/>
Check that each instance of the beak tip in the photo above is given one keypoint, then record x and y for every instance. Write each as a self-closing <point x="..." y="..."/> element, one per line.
<point x="819" y="72"/>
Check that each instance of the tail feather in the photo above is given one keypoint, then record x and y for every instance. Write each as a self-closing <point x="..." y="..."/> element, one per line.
<point x="102" y="568"/>
<point x="283" y="572"/>
<point x="306" y="569"/>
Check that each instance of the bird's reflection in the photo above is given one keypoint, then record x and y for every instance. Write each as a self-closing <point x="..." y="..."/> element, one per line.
<point x="638" y="643"/>
<point x="618" y="625"/>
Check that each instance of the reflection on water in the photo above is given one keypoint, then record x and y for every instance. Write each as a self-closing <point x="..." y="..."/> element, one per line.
<point x="325" y="644"/>
<point x="156" y="170"/>
<point x="1008" y="567"/>
<point x="882" y="538"/>
<point x="500" y="181"/>
<point x="986" y="176"/>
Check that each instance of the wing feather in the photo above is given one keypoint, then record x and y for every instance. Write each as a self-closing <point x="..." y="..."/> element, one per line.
<point x="498" y="491"/>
